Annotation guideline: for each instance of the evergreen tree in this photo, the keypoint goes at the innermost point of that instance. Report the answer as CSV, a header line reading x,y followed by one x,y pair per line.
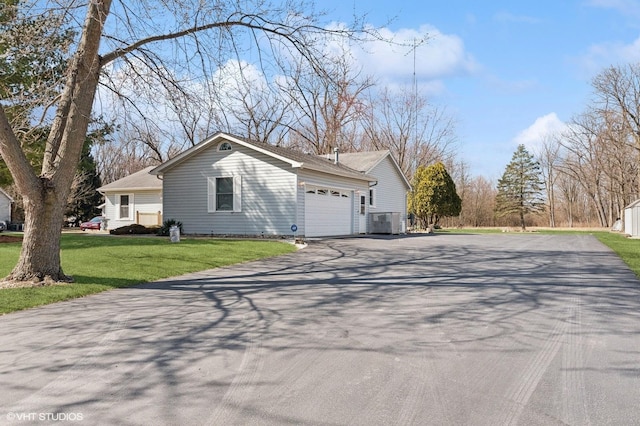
x,y
520,188
84,198
33,59
33,143
433,194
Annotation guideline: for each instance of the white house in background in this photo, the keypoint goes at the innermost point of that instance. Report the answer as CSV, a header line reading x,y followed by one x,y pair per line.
x,y
632,219
228,185
389,195
5,206
136,198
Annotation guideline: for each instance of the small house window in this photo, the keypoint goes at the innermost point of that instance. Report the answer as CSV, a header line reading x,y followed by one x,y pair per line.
x,y
372,197
124,206
224,146
224,194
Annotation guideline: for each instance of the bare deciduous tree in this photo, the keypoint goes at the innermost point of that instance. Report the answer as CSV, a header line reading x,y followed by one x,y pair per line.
x,y
132,150
602,161
586,162
324,110
201,33
478,203
569,195
252,107
618,89
548,156
417,133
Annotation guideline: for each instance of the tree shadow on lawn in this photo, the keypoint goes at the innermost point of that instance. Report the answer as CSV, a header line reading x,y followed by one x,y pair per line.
x,y
105,281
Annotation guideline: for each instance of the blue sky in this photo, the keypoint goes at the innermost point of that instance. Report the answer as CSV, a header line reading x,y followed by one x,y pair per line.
x,y
510,72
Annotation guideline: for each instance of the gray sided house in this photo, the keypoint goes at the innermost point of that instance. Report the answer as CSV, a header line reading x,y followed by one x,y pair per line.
x,y
228,185
136,198
389,195
5,206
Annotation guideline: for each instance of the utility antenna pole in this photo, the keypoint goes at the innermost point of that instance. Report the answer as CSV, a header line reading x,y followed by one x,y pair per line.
x,y
415,102
415,44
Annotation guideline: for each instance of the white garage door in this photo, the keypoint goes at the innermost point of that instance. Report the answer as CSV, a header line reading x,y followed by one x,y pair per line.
x,y
327,212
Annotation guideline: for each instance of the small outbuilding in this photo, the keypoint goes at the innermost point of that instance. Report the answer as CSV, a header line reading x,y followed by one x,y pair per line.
x,y
632,219
5,206
134,199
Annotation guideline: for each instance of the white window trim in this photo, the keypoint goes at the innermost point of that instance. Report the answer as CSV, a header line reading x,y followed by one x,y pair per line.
x,y
335,191
221,144
372,197
237,194
311,185
131,207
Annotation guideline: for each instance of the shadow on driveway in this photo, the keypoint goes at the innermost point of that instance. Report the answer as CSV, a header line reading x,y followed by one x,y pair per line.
x,y
430,329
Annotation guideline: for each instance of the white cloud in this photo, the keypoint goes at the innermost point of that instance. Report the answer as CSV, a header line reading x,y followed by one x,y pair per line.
x,y
602,55
234,82
625,7
544,127
440,56
238,76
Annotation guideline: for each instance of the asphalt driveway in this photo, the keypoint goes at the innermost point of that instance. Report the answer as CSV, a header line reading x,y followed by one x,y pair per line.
x,y
438,329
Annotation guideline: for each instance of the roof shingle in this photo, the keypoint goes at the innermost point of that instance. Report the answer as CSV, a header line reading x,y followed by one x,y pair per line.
x,y
141,180
292,156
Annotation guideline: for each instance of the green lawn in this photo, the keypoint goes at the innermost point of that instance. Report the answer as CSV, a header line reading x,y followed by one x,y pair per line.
x,y
628,249
98,263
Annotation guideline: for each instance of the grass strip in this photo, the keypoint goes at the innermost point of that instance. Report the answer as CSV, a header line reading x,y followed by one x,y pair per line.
x,y
628,249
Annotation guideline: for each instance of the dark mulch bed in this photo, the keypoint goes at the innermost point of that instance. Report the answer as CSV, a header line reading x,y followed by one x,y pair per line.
x,y
9,239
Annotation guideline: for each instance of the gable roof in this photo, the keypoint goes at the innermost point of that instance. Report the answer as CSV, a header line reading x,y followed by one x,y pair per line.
x,y
367,161
138,181
293,157
6,195
363,161
633,204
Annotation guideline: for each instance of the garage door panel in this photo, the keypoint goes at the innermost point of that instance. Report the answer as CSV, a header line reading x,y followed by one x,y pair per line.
x,y
328,212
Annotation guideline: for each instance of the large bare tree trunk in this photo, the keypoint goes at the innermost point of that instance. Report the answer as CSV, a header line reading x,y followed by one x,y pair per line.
x,y
45,196
40,256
